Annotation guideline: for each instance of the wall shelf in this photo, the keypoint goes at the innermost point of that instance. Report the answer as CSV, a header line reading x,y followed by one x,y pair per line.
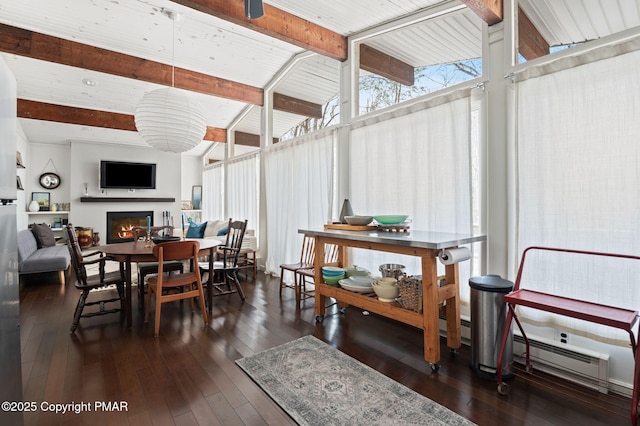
x,y
126,200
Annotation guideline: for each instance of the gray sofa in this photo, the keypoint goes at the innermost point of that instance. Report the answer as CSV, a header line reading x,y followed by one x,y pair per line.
x,y
33,260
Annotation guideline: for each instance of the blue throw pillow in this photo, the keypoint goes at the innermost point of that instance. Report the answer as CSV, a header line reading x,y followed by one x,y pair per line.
x,y
195,230
223,231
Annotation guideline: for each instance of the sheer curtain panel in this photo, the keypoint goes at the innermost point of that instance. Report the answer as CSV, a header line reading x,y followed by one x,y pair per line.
x,y
298,188
243,189
416,164
578,174
213,193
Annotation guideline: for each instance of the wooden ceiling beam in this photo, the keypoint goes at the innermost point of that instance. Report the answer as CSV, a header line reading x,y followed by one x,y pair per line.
x,y
490,11
531,44
248,139
296,106
380,63
47,48
34,45
94,118
278,24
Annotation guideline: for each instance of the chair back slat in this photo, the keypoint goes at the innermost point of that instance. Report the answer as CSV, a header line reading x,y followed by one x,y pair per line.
x,y
308,253
331,253
233,245
176,250
76,254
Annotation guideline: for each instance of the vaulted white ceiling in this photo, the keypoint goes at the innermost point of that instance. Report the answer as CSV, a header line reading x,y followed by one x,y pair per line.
x,y
206,44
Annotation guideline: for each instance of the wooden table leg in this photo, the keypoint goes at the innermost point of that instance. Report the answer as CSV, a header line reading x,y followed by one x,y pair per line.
x,y
453,308
210,281
127,291
320,300
431,326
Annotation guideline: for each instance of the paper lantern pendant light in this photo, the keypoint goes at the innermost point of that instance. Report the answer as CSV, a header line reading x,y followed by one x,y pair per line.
x,y
169,120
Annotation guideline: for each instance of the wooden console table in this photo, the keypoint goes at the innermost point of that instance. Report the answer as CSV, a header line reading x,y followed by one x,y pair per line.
x,y
424,244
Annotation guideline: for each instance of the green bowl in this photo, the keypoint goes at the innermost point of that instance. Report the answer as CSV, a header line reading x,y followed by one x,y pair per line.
x,y
391,219
332,280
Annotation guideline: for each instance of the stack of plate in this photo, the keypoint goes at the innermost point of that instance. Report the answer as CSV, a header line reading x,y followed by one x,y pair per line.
x,y
357,284
332,274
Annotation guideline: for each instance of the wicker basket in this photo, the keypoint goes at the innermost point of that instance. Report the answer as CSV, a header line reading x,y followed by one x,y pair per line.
x,y
410,290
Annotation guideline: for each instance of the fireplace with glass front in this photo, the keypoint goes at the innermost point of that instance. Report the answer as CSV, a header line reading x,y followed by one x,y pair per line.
x,y
120,224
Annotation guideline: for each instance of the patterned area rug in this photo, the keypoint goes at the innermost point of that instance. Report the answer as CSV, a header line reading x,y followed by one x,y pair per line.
x,y
319,385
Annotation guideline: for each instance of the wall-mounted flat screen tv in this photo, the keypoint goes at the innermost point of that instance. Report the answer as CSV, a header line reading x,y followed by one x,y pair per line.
x,y
127,175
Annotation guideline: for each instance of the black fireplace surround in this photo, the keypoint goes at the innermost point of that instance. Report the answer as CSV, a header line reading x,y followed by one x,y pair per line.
x,y
119,225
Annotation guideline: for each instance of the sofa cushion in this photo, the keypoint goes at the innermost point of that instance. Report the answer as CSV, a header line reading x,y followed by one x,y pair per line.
x,y
46,259
213,227
195,230
27,245
44,235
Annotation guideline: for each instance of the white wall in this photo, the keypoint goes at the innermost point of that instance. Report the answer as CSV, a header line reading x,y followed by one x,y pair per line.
x,y
191,175
83,167
23,196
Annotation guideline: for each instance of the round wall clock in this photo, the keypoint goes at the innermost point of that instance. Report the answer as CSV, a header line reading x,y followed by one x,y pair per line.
x,y
49,180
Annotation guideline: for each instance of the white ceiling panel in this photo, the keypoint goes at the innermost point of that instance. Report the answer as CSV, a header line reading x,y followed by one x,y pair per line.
x,y
213,46
448,38
351,16
563,22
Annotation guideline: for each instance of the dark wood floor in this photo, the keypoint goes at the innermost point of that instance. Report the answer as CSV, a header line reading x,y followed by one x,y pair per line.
x,y
187,375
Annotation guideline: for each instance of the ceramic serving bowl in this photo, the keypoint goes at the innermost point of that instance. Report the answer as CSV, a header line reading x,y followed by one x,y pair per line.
x,y
390,219
385,293
332,280
356,285
357,271
358,220
333,271
387,281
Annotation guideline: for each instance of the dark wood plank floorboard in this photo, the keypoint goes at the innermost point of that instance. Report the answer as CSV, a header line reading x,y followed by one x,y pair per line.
x,y
188,376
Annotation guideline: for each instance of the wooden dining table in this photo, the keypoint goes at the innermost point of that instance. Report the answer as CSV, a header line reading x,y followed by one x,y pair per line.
x,y
139,251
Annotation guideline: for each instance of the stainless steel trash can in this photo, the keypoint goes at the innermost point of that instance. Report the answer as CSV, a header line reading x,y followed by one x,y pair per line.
x,y
488,318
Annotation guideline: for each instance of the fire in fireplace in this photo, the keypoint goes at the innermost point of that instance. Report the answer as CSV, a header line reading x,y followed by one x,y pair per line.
x,y
120,224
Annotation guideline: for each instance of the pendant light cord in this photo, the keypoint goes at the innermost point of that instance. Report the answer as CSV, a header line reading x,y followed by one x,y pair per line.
x,y
173,51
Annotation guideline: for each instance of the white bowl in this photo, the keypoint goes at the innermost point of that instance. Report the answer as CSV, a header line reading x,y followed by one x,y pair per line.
x,y
387,281
361,281
358,220
385,293
357,288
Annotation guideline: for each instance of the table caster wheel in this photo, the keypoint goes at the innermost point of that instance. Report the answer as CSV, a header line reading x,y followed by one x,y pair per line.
x,y
435,367
319,318
453,353
528,368
503,389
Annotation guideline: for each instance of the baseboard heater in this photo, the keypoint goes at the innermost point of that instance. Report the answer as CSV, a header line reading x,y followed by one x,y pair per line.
x,y
578,365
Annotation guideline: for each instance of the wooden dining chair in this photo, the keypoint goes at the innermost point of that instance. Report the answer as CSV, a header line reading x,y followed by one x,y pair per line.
x,y
149,268
307,255
225,269
331,252
87,284
189,282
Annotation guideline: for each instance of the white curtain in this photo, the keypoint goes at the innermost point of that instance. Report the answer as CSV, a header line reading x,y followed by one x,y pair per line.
x,y
213,193
243,189
578,174
298,184
416,164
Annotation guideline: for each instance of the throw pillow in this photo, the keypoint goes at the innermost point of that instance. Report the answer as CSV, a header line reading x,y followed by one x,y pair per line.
x,y
44,235
213,226
195,230
223,231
